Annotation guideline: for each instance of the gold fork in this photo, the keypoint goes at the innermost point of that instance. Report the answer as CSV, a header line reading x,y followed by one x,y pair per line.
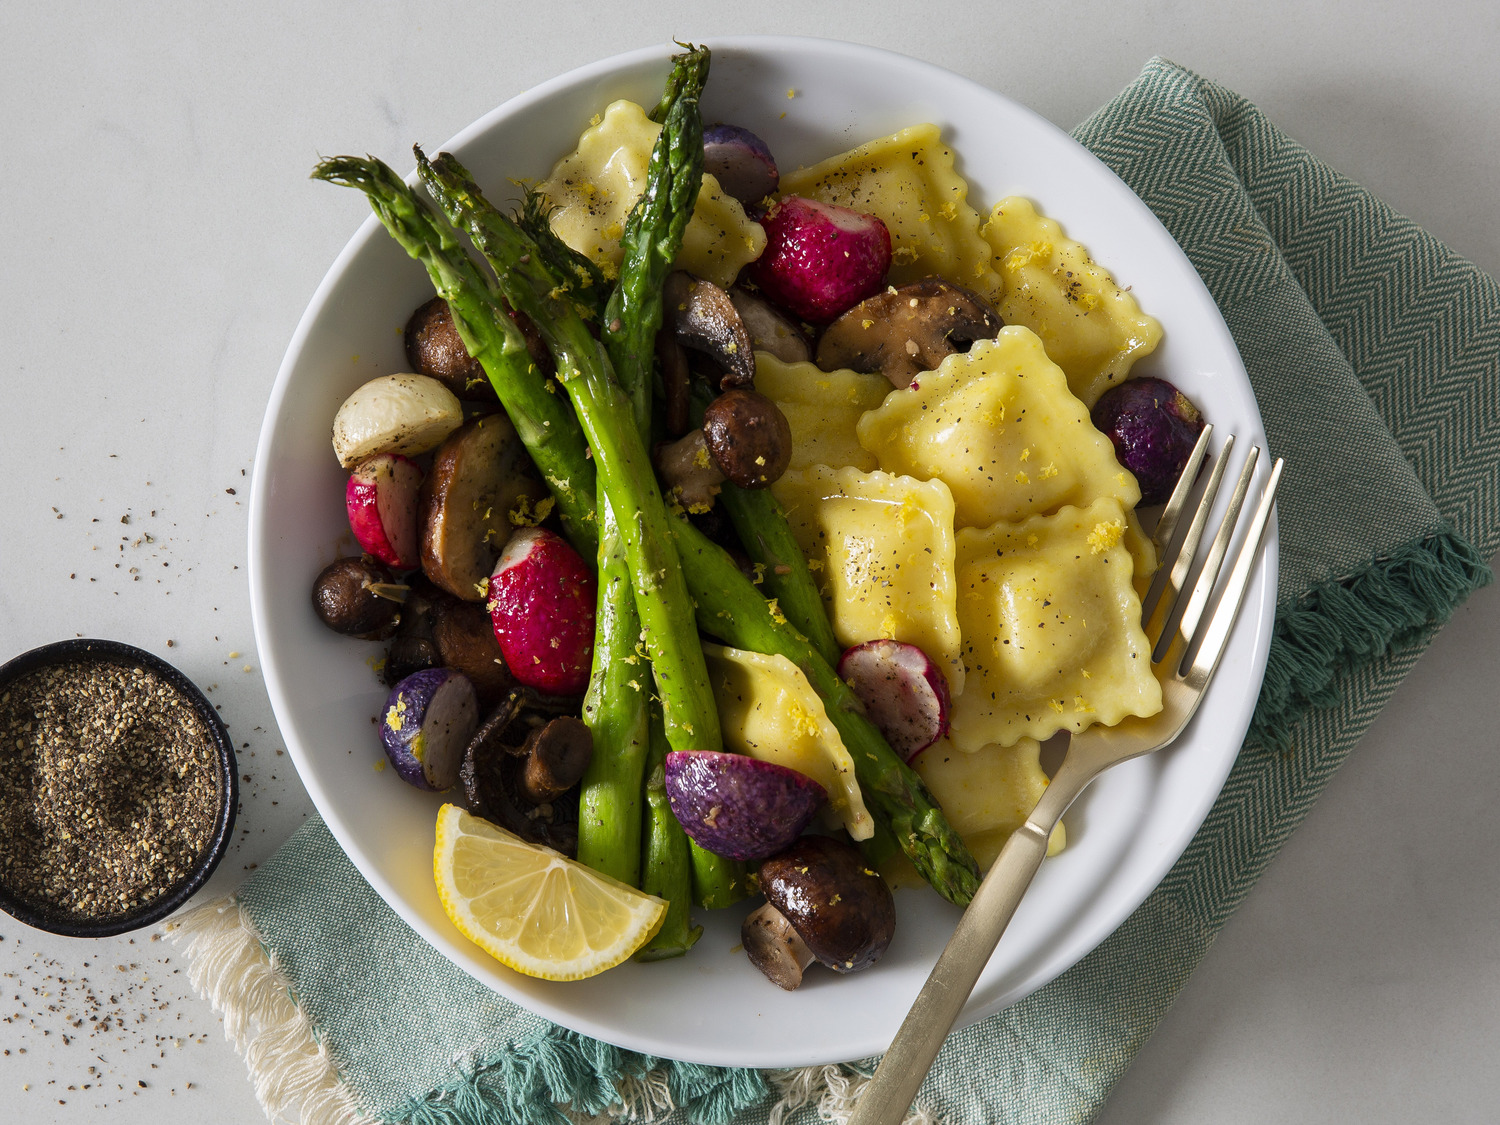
x,y
1186,647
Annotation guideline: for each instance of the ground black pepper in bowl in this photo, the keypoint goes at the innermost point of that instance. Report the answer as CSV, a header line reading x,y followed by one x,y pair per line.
x,y
116,787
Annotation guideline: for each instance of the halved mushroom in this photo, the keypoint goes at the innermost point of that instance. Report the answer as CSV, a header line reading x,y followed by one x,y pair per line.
x,y
748,437
465,640
701,316
907,330
824,904
479,475
688,472
770,329
522,768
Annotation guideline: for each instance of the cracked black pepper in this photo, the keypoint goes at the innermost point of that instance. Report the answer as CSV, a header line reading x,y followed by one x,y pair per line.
x,y
109,788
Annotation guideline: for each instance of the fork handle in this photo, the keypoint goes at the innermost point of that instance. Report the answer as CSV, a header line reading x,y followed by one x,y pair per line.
x,y
902,1069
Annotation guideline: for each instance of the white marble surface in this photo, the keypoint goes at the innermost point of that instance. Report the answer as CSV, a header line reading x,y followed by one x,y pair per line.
x,y
162,239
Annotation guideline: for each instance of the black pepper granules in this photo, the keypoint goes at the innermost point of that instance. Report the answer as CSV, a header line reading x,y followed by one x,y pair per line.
x,y
110,788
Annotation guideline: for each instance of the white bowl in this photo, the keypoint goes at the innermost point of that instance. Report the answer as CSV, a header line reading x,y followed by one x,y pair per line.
x,y
712,1006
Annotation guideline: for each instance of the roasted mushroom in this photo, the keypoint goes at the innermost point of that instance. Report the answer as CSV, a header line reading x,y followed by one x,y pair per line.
x,y
905,331
479,476
434,347
748,437
688,472
770,330
465,641
699,315
359,597
522,767
823,904
413,647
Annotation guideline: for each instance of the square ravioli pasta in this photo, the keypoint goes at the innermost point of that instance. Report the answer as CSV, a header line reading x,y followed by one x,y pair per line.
x,y
1000,428
594,187
822,408
1052,632
883,547
987,794
1092,329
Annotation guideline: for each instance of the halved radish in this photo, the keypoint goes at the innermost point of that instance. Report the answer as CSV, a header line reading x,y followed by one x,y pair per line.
x,y
739,807
905,694
541,602
428,720
382,502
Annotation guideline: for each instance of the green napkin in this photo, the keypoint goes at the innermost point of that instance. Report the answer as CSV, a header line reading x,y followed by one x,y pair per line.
x,y
1375,355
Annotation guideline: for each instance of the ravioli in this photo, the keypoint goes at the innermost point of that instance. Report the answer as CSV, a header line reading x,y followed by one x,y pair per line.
x,y
593,189
908,180
1051,623
769,711
1092,329
822,408
986,795
1000,428
883,547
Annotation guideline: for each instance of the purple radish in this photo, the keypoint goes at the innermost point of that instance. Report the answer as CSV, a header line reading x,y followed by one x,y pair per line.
x,y
905,694
428,720
739,807
741,162
381,499
1154,427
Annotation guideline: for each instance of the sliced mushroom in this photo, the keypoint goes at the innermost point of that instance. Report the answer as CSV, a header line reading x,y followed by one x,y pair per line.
x,y
522,767
688,472
413,648
775,948
840,909
675,378
480,474
905,331
771,330
748,437
701,316
465,640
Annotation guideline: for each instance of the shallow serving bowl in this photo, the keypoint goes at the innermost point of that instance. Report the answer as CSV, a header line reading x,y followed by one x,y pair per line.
x,y
712,1006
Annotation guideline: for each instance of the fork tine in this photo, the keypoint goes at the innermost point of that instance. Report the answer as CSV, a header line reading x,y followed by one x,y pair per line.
x,y
1166,524
1185,616
1200,664
1175,575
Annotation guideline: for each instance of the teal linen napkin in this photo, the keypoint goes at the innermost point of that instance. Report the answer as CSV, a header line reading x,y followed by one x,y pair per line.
x,y
1375,356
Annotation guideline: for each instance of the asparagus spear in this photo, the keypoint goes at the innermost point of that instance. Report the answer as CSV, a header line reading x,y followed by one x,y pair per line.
x,y
589,288
763,531
548,428
650,241
609,829
609,804
608,422
729,607
667,868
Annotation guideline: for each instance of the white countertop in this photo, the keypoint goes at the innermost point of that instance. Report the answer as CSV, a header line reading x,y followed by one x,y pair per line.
x,y
162,239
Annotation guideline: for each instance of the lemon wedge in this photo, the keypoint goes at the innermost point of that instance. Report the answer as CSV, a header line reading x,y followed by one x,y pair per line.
x,y
532,908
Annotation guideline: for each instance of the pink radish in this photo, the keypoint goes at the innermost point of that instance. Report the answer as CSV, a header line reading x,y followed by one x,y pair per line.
x,y
905,694
541,602
821,259
382,502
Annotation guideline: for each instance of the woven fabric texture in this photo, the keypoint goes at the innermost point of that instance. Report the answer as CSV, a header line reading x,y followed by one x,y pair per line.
x,y
1375,356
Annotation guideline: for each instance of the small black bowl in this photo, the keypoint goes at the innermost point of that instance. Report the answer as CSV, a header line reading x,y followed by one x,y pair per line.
x,y
81,652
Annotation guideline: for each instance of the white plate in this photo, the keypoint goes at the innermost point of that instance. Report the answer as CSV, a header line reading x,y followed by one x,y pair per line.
x,y
712,1006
